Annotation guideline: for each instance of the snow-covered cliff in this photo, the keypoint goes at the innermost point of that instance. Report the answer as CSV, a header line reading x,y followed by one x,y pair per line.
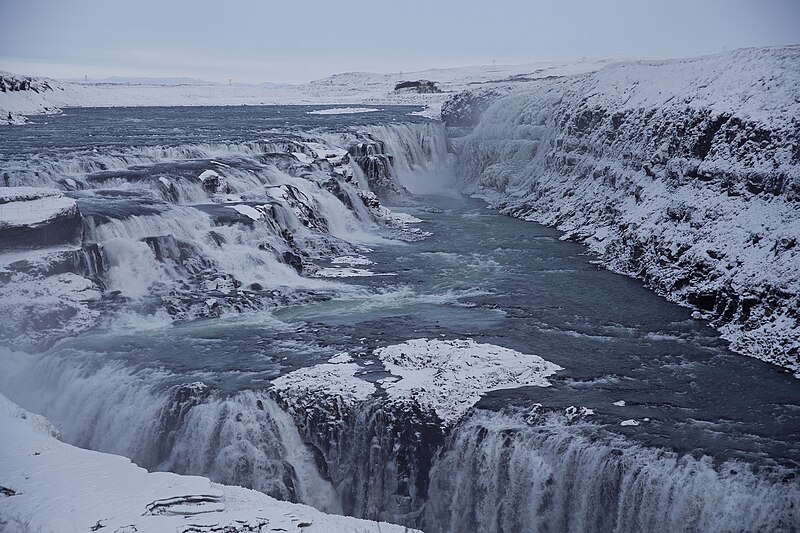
x,y
685,173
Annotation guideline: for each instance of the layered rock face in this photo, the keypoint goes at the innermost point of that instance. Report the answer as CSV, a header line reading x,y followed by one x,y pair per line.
x,y
685,173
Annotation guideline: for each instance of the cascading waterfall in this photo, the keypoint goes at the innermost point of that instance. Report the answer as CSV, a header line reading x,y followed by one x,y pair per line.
x,y
500,473
494,472
420,154
158,227
150,416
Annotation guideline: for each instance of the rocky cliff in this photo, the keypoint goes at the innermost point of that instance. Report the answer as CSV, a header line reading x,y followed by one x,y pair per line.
x,y
684,173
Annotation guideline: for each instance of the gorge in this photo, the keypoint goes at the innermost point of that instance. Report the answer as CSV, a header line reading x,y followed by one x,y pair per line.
x,y
222,292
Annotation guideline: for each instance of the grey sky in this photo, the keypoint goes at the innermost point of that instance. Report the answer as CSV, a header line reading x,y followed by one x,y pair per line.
x,y
254,41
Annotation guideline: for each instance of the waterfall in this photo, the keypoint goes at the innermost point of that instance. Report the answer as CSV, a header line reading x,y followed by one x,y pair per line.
x,y
163,423
163,242
499,473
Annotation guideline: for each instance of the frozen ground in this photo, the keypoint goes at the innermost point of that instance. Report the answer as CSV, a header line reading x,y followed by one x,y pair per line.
x,y
48,486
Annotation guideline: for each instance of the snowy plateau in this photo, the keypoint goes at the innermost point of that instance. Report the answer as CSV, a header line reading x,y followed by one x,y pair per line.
x,y
228,314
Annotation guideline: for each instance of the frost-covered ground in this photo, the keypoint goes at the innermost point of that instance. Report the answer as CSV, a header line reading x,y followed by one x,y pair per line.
x,y
685,173
349,88
47,486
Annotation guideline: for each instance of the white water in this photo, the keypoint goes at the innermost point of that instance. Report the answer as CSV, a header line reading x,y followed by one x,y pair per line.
x,y
244,439
499,473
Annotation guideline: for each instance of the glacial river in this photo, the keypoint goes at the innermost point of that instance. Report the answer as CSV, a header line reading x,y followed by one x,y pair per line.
x,y
648,384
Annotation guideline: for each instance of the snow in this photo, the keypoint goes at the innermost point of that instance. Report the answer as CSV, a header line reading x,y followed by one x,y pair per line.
x,y
343,357
336,379
343,111
207,174
303,158
24,194
357,88
59,488
30,206
352,260
450,376
247,211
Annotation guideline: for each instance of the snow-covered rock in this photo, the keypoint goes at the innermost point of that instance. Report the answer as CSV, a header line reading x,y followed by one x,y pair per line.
x,y
393,439
450,376
33,217
685,173
334,380
49,486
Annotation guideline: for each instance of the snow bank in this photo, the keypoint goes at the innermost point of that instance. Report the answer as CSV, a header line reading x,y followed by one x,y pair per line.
x,y
340,89
50,486
31,206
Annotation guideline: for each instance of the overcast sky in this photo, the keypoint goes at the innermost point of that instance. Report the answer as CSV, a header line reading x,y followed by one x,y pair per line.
x,y
301,40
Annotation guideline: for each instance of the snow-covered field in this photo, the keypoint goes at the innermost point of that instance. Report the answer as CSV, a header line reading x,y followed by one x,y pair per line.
x,y
685,173
47,486
348,88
